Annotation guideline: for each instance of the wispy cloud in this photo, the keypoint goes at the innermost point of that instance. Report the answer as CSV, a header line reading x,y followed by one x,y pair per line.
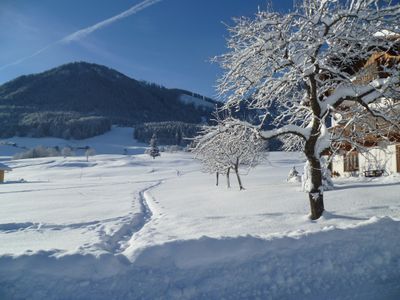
x,y
82,33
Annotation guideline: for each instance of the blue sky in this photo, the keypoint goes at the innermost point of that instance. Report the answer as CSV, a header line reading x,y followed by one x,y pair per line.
x,y
169,43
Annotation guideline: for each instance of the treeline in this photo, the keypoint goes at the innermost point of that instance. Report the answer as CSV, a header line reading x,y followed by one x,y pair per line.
x,y
168,133
67,125
39,151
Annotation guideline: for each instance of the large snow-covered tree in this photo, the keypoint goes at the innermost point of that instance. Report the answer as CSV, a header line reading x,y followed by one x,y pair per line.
x,y
300,67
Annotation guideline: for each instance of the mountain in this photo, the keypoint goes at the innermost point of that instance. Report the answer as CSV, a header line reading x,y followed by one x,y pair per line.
x,y
83,90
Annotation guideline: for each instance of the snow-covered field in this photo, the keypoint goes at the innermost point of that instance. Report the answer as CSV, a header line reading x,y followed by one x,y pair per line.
x,y
130,227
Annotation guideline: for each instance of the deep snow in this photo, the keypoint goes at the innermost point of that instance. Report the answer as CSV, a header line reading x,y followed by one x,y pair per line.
x,y
130,227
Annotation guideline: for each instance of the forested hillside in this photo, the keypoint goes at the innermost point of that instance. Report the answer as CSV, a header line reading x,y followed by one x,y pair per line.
x,y
77,91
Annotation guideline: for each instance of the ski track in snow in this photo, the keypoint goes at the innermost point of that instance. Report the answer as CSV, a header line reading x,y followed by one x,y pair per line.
x,y
117,241
113,242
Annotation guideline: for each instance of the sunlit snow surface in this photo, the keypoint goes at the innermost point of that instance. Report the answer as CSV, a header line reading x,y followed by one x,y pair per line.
x,y
130,227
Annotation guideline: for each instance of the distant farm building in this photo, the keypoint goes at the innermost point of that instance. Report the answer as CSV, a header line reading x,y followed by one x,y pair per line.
x,y
3,169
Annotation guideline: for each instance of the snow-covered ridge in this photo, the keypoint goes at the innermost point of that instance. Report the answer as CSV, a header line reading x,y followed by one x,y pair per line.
x,y
196,101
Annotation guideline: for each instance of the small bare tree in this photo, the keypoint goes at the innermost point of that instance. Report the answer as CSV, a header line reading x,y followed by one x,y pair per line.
x,y
89,152
222,148
304,65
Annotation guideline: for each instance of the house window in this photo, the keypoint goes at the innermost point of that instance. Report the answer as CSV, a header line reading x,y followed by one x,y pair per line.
x,y
351,162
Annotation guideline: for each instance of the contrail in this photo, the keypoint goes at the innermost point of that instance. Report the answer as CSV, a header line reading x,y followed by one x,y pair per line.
x,y
76,36
86,31
27,57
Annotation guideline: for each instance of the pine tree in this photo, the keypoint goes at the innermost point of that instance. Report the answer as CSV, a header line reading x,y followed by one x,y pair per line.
x,y
154,151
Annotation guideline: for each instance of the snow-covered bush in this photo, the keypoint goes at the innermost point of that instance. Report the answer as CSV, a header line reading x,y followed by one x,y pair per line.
x,y
293,175
67,151
327,183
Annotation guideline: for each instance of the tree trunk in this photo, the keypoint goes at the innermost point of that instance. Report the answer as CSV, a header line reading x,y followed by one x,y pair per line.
x,y
217,177
238,177
228,180
316,195
316,204
311,150
316,192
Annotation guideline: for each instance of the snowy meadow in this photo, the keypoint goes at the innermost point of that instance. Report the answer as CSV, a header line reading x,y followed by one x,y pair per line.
x,y
132,227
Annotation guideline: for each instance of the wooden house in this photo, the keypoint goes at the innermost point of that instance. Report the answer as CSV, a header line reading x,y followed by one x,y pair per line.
x,y
3,169
380,154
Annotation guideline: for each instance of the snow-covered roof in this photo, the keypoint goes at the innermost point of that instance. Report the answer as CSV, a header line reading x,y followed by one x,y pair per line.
x,y
3,167
385,33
